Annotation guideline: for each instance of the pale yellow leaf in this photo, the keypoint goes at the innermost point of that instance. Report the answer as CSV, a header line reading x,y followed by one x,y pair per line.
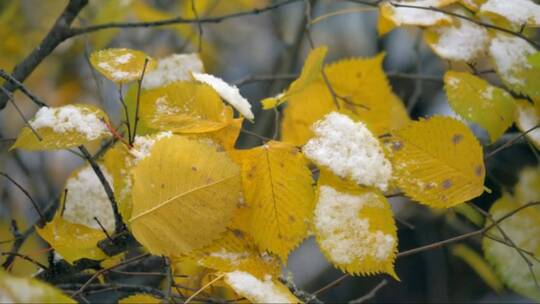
x,y
476,100
438,162
479,265
121,65
267,290
527,119
175,209
27,290
279,196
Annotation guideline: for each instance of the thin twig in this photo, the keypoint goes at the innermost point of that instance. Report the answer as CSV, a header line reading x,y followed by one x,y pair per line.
x,y
139,86
510,142
21,114
127,122
25,192
199,25
370,295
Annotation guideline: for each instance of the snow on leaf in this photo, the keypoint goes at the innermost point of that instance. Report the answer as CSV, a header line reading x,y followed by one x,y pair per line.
x,y
176,67
517,12
528,117
142,146
476,100
175,209
311,71
63,127
510,55
279,195
363,83
27,290
438,162
184,107
259,291
462,41
121,65
229,93
119,162
355,227
523,228
349,150
413,16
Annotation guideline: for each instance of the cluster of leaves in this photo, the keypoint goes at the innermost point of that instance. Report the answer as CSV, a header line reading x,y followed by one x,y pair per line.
x,y
231,217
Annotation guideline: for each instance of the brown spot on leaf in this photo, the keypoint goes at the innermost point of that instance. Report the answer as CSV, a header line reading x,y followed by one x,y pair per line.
x,y
457,138
281,164
237,233
193,168
219,149
478,170
446,184
291,218
397,145
162,186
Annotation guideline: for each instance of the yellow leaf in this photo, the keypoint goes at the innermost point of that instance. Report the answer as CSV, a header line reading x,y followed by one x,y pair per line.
x,y
527,189
438,162
479,265
140,299
354,227
184,107
117,162
310,72
527,118
523,228
226,136
237,251
363,83
279,196
175,209
509,55
517,14
72,241
64,127
121,65
26,290
477,101
267,290
414,16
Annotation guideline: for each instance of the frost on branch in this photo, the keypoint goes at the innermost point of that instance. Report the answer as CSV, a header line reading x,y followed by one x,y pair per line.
x,y
356,230
177,67
229,93
259,291
349,150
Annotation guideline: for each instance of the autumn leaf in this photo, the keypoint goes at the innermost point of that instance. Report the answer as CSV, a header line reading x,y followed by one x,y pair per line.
x,y
184,107
121,65
517,13
479,265
63,127
139,299
27,290
354,227
477,101
369,99
279,196
523,228
398,16
267,290
527,118
310,72
174,191
438,162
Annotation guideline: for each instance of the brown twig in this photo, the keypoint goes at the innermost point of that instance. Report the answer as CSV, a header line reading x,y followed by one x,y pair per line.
x,y
139,85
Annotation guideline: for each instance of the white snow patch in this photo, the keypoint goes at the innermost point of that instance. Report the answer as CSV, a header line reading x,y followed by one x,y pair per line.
x,y
143,145
343,234
488,93
518,12
415,16
258,291
233,257
349,149
527,119
86,198
177,67
509,55
230,93
461,43
123,59
70,119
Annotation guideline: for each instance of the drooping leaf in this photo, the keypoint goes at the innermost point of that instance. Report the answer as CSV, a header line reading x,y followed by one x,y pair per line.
x,y
310,72
121,65
175,209
462,41
184,107
527,118
267,290
26,290
523,228
509,55
279,196
438,162
354,227
479,265
369,99
64,127
476,100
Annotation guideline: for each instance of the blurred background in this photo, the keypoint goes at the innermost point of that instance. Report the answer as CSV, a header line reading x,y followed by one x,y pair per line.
x,y
270,43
